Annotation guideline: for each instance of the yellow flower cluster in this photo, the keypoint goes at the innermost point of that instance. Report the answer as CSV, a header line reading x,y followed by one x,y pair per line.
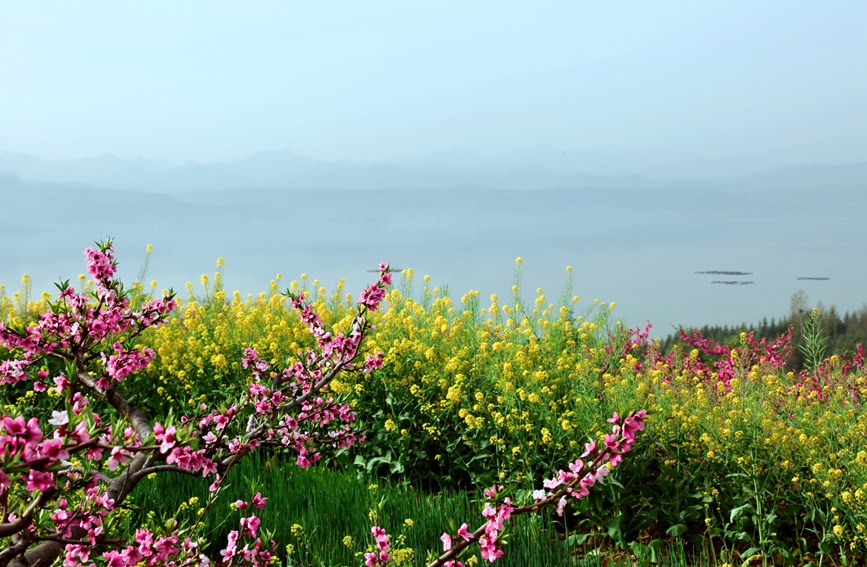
x,y
199,353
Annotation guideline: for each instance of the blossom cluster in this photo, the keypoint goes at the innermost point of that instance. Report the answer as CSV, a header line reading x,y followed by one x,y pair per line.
x,y
75,323
256,553
381,555
95,336
730,362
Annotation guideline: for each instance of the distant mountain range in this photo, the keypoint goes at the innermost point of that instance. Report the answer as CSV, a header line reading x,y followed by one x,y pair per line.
x,y
448,170
287,170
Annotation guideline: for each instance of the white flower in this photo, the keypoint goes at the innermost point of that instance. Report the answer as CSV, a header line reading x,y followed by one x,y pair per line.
x,y
59,418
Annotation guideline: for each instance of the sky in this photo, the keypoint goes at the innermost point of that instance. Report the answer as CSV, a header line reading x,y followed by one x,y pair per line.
x,y
737,97
678,88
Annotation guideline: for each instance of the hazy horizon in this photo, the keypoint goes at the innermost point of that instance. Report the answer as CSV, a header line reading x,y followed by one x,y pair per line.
x,y
697,89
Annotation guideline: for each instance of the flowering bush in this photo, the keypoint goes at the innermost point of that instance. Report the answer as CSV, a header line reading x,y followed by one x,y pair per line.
x,y
765,460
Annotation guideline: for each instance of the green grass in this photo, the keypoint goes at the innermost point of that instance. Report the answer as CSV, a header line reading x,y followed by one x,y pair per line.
x,y
330,505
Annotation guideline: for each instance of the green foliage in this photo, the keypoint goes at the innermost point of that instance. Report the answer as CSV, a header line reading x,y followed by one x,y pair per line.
x,y
315,510
813,341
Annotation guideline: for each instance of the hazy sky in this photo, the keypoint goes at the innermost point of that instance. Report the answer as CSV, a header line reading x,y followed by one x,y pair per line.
x,y
766,82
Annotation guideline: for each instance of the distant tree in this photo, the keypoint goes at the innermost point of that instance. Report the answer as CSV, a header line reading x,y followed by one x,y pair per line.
x,y
799,305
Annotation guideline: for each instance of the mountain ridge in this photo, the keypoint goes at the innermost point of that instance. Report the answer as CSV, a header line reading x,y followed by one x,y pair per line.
x,y
287,170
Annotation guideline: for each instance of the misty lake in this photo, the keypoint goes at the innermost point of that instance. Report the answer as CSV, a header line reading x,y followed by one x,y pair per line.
x,y
640,247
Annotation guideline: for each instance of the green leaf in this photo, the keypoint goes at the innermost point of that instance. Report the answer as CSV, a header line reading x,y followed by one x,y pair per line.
x,y
578,539
748,556
614,528
647,553
676,530
736,512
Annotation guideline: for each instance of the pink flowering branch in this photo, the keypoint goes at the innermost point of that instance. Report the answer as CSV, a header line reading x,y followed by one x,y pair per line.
x,y
584,473
574,483
92,335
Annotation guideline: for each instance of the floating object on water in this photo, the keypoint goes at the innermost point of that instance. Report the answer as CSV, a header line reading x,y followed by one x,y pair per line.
x,y
725,273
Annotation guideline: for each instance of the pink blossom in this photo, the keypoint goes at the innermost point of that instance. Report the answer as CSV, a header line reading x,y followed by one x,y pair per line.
x,y
250,525
371,297
100,264
39,480
53,450
259,501
488,548
164,436
216,484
